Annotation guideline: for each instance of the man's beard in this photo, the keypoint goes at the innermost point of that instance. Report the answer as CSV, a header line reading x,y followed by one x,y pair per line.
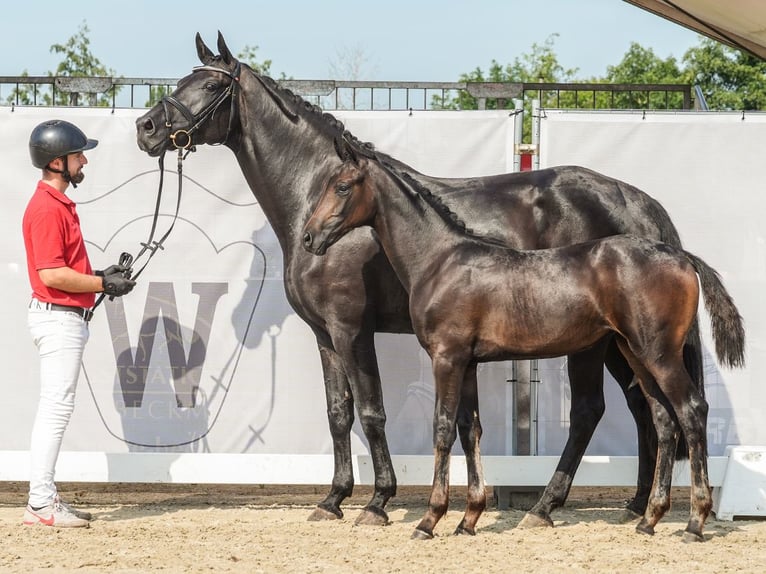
x,y
77,178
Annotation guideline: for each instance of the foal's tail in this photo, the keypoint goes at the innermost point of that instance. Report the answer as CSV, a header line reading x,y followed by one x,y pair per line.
x,y
726,322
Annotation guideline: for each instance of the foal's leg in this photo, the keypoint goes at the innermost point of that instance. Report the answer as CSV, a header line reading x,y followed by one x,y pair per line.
x,y
691,412
449,372
586,378
667,437
469,429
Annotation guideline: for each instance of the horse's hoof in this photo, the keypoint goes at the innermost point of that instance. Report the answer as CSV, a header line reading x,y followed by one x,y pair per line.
x,y
645,528
463,530
418,534
535,521
372,516
322,514
628,516
689,537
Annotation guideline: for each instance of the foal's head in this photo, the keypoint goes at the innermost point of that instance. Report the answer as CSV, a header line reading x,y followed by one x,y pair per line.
x,y
346,202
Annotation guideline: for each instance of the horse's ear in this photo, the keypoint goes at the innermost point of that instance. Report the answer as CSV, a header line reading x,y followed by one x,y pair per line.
x,y
224,51
203,52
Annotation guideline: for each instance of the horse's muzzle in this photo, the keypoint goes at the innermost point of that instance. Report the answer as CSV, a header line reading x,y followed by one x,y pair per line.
x,y
146,132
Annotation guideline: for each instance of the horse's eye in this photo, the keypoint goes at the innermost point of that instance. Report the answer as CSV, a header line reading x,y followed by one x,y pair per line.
x,y
211,86
343,188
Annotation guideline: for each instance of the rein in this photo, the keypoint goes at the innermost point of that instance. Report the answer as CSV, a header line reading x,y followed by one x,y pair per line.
x,y
182,141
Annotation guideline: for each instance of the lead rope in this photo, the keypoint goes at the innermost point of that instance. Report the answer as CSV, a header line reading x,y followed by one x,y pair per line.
x,y
126,259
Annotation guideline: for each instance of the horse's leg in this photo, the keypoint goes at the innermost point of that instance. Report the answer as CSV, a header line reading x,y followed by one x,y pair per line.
x,y
667,436
340,413
586,377
469,430
449,372
646,435
361,366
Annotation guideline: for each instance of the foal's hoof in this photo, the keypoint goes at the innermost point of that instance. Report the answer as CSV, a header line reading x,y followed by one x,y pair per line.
x,y
645,528
372,516
418,534
535,521
463,529
628,516
690,537
321,514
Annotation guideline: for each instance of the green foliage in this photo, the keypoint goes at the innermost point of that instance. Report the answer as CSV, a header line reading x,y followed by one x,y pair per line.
x,y
729,79
78,61
156,93
540,65
248,56
641,65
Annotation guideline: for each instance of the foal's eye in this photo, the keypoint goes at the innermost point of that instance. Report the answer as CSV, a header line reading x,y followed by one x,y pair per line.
x,y
343,188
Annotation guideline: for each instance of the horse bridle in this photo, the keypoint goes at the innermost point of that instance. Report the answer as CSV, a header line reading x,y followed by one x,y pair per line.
x,y
182,138
185,144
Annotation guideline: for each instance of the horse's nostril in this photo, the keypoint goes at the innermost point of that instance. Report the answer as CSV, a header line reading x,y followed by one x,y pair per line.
x,y
307,239
148,125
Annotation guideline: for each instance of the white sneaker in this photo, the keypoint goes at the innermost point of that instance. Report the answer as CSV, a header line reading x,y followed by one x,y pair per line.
x,y
55,514
78,513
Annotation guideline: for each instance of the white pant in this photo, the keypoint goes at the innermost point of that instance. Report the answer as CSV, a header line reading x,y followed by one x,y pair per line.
x,y
60,337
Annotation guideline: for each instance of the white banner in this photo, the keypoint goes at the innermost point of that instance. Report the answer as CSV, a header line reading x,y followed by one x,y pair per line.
x,y
205,355
708,172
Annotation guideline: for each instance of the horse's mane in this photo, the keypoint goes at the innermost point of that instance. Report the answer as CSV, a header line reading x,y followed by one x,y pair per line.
x,y
303,108
403,179
407,182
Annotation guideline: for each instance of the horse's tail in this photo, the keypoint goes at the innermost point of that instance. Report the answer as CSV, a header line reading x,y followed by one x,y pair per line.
x,y
726,322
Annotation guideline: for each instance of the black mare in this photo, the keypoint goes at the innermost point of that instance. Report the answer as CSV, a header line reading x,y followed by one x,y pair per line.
x,y
476,300
287,148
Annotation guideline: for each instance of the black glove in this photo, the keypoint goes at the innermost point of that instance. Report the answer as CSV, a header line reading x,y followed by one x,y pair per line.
x,y
111,270
116,284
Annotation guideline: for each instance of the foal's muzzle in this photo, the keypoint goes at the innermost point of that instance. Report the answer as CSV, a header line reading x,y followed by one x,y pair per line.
x,y
308,244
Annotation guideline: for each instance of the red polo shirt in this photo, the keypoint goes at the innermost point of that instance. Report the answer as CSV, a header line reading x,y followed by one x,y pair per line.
x,y
52,238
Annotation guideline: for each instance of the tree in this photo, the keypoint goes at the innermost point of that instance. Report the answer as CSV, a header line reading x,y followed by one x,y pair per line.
x,y
641,65
539,65
729,79
78,61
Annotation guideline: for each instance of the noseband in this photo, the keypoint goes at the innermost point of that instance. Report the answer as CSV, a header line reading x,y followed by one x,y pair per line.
x,y
182,138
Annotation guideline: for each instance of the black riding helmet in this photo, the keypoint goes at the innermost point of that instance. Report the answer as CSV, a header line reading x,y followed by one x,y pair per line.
x,y
57,138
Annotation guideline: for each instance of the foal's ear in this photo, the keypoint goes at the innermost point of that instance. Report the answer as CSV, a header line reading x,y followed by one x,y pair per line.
x,y
203,52
223,49
349,153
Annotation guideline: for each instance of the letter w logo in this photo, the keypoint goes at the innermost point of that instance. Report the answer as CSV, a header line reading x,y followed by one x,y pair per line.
x,y
186,371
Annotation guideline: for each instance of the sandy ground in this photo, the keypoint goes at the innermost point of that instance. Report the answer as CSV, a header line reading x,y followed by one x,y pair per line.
x,y
214,528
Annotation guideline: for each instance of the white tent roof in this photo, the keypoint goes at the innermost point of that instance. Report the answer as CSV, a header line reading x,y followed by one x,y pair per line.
x,y
738,23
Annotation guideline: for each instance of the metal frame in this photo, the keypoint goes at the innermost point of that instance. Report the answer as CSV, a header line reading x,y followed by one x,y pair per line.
x,y
353,95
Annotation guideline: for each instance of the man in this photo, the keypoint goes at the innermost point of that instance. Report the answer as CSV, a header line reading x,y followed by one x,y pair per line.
x,y
63,292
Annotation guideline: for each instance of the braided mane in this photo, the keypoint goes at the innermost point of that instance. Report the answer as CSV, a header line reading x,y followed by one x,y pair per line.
x,y
342,138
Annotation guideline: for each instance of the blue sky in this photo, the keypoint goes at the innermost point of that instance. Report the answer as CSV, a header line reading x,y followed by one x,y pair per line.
x,y
399,40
